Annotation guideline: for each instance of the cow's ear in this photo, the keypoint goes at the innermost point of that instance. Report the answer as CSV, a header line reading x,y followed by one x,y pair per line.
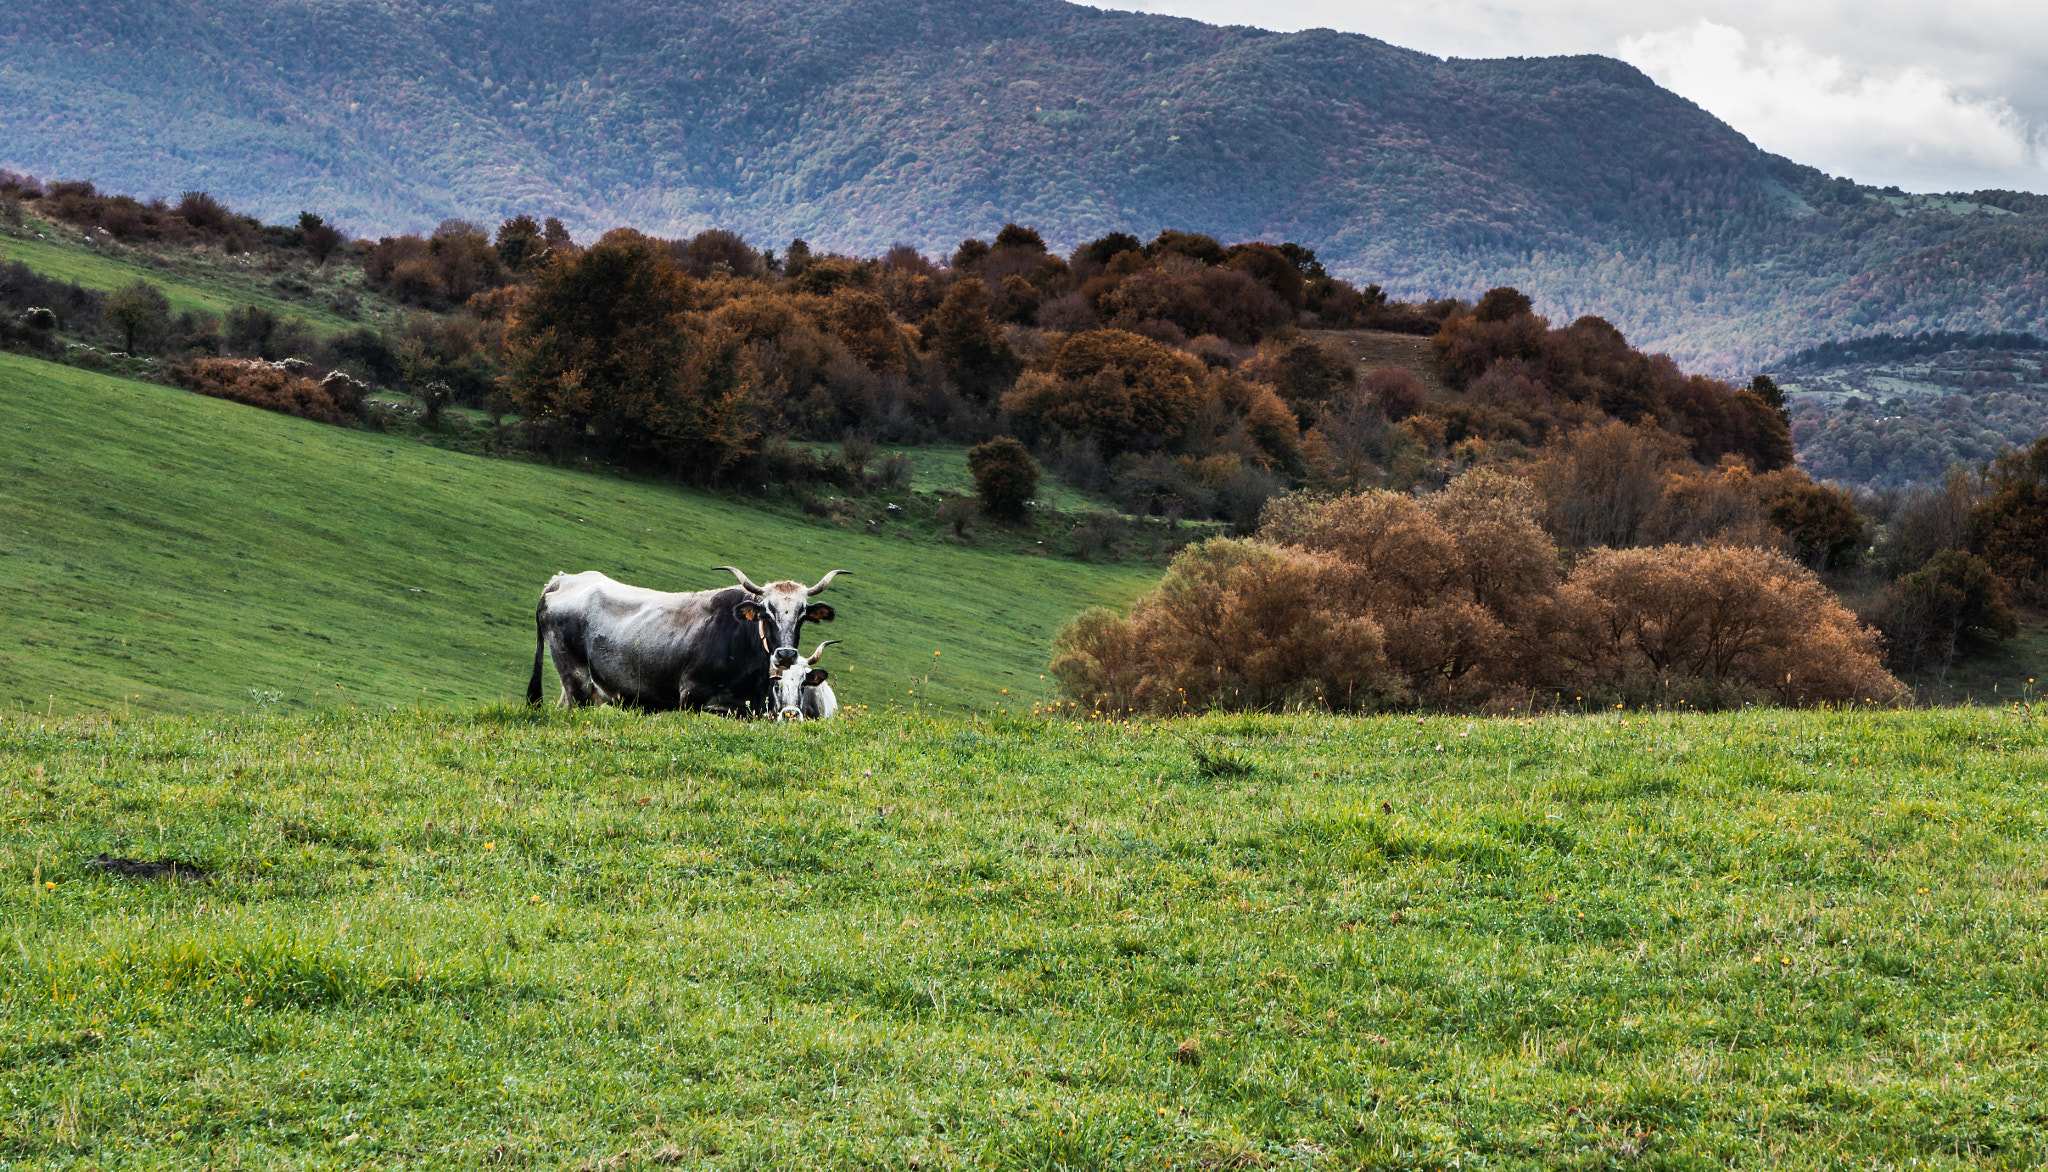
x,y
818,676
818,612
747,612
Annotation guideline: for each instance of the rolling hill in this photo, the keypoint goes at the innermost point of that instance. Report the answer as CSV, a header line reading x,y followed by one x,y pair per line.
x,y
856,124
175,553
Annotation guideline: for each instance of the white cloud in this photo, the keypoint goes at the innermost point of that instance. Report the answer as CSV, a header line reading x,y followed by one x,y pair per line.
x,y
1902,126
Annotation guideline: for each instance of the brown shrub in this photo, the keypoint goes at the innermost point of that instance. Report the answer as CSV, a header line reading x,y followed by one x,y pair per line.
x,y
1235,624
1395,391
1107,373
1394,553
1604,486
261,384
1458,601
1752,623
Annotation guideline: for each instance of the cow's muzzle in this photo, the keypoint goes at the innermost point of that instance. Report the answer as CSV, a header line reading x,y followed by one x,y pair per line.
x,y
783,657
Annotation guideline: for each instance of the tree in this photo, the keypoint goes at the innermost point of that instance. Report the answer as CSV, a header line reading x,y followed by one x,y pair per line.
x,y
1502,304
968,343
608,342
1927,615
2010,529
317,237
1156,388
139,311
1005,476
1020,237
1825,528
520,244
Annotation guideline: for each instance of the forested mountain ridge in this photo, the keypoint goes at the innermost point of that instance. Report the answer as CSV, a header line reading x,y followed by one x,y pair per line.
x,y
856,124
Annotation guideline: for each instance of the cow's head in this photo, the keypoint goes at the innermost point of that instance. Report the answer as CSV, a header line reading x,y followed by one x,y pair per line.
x,y
779,611
791,681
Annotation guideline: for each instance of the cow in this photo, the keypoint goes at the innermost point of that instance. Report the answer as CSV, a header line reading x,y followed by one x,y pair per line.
x,y
801,692
709,650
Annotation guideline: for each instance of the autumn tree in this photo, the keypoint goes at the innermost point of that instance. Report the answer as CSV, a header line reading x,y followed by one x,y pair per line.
x,y
520,244
608,342
1821,520
1123,390
967,343
2010,529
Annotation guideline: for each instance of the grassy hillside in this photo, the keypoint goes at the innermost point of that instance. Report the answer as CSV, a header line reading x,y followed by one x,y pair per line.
x,y
469,939
206,283
185,553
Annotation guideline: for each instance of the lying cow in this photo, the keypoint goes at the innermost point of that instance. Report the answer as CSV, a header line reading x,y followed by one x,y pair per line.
x,y
710,650
801,692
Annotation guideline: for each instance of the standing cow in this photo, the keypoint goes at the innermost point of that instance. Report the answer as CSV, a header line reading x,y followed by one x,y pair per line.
x,y
709,650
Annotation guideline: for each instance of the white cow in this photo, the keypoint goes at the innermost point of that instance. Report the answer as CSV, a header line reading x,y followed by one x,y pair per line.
x,y
801,690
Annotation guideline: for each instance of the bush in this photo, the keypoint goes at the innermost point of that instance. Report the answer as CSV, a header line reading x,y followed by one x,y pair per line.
x,y
1751,624
1377,598
894,473
1005,476
1118,388
266,385
1929,615
957,515
1235,624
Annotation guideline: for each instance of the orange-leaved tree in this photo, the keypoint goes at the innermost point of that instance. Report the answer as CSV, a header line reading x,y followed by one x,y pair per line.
x,y
608,343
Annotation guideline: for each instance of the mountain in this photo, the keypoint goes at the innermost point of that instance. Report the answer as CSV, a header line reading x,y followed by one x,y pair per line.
x,y
858,123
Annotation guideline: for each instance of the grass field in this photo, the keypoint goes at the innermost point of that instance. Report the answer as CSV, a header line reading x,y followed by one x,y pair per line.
x,y
164,551
204,282
602,941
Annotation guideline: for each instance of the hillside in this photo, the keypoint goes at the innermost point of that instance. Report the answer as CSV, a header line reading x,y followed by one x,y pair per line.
x,y
175,553
857,123
1892,422
435,939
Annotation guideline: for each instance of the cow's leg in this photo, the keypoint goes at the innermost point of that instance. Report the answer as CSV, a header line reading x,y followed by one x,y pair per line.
x,y
578,687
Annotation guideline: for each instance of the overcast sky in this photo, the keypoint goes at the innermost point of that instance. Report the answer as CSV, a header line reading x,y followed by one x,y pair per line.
x,y
1948,95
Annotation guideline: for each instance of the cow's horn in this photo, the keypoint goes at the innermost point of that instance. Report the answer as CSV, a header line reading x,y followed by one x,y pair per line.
x,y
822,582
744,580
821,649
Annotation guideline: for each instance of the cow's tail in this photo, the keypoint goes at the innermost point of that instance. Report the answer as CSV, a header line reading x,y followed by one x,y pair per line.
x,y
540,646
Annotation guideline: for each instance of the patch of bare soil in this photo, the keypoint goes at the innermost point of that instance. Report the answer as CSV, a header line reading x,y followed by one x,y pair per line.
x,y
1377,350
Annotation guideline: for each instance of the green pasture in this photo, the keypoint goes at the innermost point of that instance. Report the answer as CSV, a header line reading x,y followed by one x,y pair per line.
x,y
205,283
165,551
943,468
497,938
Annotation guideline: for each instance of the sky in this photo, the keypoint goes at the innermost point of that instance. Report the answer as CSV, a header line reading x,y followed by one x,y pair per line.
x,y
1930,97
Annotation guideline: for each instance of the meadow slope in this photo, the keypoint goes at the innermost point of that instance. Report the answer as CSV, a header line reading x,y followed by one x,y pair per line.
x,y
170,552
206,283
600,940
